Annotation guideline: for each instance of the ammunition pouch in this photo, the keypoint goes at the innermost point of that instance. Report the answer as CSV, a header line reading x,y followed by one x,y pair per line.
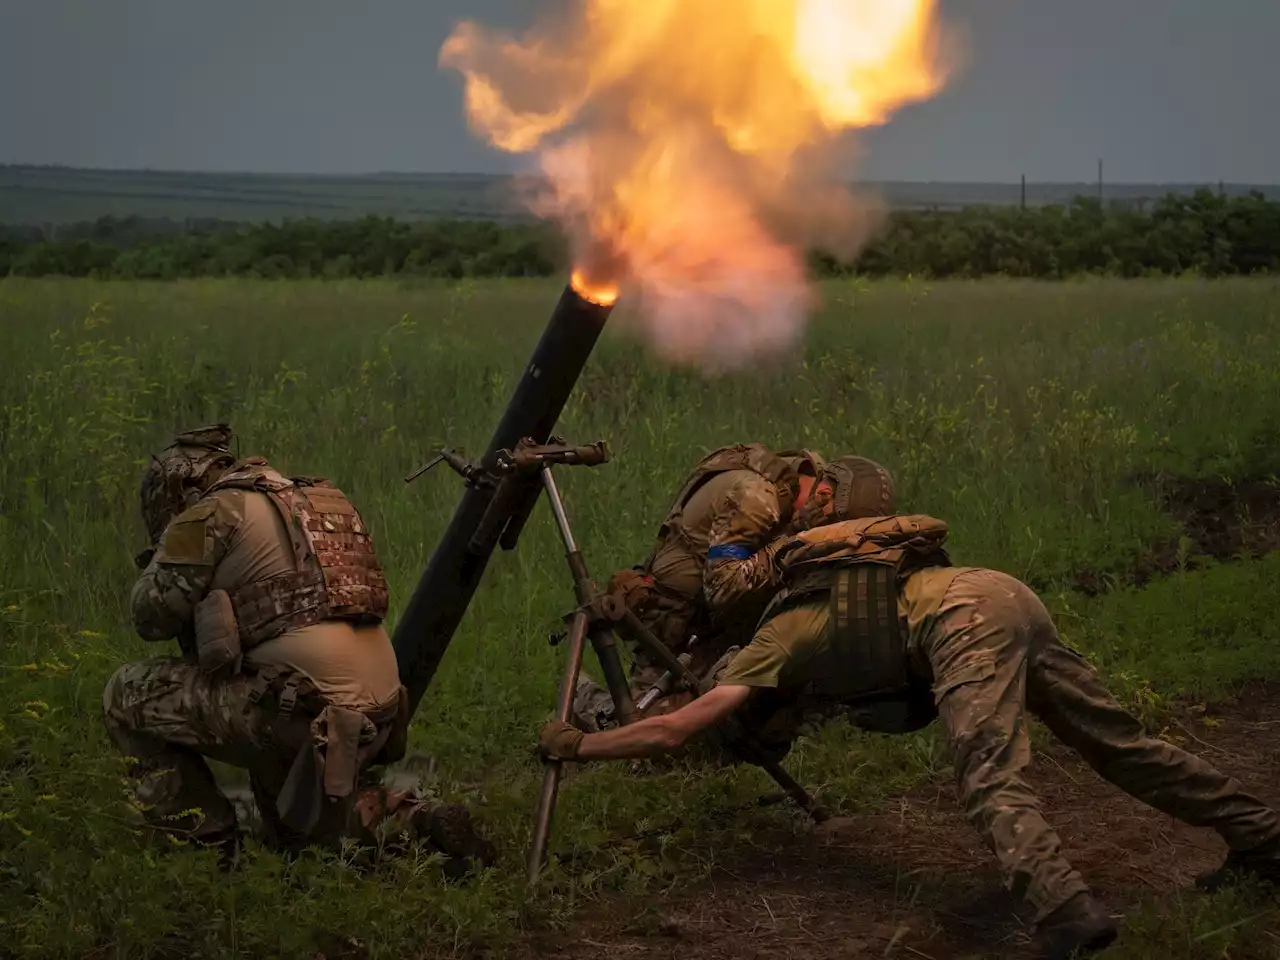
x,y
342,742
217,636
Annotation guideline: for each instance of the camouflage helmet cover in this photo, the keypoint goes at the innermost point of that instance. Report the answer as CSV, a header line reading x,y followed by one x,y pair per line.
x,y
860,488
177,478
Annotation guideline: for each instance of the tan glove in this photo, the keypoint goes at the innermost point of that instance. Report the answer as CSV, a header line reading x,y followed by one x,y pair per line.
x,y
815,512
559,741
777,550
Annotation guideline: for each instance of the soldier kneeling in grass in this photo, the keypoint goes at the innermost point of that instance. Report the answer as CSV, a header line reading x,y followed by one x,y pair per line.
x,y
870,614
273,589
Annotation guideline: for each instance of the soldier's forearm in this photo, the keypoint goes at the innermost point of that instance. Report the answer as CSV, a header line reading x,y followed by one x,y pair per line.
x,y
635,741
658,735
731,582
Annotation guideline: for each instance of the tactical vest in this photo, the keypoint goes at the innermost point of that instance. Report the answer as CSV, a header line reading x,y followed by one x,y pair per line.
x,y
337,575
671,614
860,564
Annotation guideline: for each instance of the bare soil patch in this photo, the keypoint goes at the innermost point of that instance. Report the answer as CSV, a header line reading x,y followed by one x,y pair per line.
x,y
1222,520
915,881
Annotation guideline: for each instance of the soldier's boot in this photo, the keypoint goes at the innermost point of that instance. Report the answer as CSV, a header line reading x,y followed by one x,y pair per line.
x,y
452,832
1079,927
448,827
1261,865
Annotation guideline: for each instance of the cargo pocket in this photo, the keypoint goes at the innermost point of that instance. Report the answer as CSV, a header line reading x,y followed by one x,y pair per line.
x,y
974,668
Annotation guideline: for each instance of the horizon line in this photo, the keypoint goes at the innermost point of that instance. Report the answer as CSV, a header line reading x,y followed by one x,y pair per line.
x,y
5,165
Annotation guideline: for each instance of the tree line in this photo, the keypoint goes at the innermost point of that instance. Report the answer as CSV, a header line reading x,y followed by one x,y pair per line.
x,y
1205,233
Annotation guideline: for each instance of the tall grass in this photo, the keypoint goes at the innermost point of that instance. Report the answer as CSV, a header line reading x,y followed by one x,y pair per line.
x,y
1026,415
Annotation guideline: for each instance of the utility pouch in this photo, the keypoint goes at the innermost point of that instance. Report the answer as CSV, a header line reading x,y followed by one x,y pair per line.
x,y
217,635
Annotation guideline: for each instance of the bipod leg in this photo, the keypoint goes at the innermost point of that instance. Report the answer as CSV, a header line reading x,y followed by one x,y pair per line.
x,y
741,742
584,589
551,775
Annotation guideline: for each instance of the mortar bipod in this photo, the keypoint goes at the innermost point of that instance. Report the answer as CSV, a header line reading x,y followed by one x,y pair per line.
x,y
523,460
597,618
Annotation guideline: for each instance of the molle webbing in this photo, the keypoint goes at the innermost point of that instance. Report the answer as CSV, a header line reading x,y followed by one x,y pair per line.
x,y
353,579
336,573
867,638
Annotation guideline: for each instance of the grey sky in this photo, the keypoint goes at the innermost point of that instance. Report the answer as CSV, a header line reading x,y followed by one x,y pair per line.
x,y
1165,90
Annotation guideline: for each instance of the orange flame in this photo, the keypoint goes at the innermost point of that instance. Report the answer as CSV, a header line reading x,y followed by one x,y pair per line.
x,y
601,294
687,145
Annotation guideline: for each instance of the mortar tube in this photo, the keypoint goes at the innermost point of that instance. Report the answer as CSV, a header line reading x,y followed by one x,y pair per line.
x,y
444,591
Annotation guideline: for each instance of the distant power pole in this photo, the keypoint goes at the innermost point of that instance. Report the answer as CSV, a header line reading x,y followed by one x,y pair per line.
x,y
1099,180
1024,191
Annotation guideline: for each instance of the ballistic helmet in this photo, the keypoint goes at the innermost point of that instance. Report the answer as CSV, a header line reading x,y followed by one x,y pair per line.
x,y
847,488
805,461
177,478
860,488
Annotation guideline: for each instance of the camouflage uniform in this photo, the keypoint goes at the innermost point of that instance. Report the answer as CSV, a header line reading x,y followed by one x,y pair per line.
x,y
990,651
708,574
734,512
170,713
311,702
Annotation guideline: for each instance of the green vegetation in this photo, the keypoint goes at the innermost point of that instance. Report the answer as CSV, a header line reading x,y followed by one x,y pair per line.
x,y
1025,414
1205,234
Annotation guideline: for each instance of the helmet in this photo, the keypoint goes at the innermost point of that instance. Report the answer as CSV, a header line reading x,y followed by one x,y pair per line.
x,y
860,488
800,457
177,478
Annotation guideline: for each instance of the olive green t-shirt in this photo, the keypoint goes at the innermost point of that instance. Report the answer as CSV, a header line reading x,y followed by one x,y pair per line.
x,y
794,648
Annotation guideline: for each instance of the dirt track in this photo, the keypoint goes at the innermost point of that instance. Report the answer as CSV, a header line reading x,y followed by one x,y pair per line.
x,y
917,876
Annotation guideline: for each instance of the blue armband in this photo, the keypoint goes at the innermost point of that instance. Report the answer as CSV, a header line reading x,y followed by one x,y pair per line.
x,y
728,551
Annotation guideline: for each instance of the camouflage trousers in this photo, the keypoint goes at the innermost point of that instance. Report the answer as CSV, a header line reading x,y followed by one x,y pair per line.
x,y
992,654
167,716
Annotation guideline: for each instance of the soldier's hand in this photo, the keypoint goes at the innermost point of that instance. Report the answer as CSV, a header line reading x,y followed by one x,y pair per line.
x,y
777,550
559,741
816,512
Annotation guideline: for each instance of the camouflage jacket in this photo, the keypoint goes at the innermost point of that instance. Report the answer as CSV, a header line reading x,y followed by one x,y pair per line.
x,y
746,519
181,572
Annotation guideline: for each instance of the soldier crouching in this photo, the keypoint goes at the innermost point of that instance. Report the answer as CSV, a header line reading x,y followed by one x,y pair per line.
x,y
276,596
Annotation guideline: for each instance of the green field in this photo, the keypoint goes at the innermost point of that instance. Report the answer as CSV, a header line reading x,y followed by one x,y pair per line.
x,y
1034,418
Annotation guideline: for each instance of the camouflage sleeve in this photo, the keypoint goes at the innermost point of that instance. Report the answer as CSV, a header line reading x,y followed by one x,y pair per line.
x,y
744,521
179,575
